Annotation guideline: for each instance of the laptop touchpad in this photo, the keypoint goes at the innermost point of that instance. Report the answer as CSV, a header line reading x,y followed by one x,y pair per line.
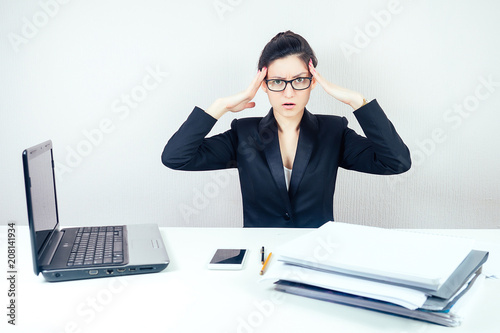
x,y
145,243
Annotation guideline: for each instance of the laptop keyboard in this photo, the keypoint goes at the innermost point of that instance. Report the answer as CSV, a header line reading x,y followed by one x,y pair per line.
x,y
97,246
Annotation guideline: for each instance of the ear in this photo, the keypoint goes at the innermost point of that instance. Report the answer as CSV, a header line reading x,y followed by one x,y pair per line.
x,y
263,86
313,83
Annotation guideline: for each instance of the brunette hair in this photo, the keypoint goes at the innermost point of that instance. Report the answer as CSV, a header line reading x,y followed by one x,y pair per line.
x,y
285,44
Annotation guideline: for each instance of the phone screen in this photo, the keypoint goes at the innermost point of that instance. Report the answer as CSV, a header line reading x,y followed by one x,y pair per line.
x,y
228,256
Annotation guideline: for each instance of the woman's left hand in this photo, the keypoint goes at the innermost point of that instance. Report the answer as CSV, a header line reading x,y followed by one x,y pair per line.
x,y
350,97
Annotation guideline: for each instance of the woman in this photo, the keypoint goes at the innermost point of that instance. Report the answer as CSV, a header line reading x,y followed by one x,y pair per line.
x,y
288,160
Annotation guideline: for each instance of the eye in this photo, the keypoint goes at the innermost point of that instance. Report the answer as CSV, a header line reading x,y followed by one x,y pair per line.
x,y
300,80
277,82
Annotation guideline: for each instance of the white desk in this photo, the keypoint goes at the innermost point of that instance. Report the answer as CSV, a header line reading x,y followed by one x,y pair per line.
x,y
186,297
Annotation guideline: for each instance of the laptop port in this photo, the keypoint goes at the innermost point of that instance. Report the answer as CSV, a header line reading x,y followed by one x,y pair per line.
x,y
109,271
120,270
93,272
132,269
145,268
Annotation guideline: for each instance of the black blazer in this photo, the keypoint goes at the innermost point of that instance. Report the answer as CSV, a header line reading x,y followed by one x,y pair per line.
x,y
325,143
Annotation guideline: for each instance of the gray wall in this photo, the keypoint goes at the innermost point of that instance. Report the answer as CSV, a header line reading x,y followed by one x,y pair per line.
x,y
110,81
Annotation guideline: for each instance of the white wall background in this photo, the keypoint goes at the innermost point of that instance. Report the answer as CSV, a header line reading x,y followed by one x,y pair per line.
x,y
69,68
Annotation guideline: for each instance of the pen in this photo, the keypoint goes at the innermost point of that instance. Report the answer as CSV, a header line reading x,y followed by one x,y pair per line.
x,y
265,263
262,255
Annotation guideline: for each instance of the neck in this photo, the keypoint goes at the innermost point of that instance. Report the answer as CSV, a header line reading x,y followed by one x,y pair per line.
x,y
288,124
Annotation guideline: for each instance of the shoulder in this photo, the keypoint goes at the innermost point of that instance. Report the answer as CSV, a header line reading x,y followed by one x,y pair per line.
x,y
328,122
254,123
326,118
247,121
245,124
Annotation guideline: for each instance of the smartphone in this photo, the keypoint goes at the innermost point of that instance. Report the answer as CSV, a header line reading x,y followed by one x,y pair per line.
x,y
232,259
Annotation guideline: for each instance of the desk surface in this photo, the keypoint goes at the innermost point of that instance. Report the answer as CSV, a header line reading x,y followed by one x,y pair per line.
x,y
186,297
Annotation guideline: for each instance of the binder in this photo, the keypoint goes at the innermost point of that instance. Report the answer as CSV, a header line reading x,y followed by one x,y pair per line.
x,y
408,258
415,275
443,317
411,298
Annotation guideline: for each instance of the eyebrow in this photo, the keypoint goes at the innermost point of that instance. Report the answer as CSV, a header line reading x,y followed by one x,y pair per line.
x,y
293,77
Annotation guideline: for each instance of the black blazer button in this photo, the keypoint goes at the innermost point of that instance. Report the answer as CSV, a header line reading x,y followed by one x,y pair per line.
x,y
286,216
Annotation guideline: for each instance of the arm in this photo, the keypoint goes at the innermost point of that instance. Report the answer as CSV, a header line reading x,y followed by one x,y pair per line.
x,y
352,98
188,149
382,151
239,101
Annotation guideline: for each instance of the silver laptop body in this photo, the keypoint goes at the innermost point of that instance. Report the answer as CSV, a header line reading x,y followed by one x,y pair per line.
x,y
141,250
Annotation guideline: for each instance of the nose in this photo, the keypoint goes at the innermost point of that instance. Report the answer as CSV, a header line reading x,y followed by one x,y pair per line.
x,y
289,91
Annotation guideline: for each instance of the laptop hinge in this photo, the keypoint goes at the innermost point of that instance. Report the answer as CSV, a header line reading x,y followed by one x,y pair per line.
x,y
47,255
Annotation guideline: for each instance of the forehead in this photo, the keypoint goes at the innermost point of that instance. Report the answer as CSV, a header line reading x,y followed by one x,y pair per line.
x,y
287,67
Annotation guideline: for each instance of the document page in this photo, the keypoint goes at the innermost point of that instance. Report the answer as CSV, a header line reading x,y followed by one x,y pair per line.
x,y
406,257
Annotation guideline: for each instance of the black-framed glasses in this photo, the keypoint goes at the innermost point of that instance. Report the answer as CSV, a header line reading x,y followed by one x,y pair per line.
x,y
300,83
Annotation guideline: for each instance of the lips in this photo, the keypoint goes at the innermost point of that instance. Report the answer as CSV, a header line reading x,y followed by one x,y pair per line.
x,y
288,106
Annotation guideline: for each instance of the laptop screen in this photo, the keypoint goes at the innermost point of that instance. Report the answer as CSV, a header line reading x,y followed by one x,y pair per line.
x,y
40,193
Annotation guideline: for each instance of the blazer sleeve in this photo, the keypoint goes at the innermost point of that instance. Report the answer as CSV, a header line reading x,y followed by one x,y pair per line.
x,y
382,151
188,149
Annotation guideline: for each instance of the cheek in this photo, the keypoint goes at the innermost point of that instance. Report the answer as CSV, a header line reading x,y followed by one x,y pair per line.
x,y
304,98
273,98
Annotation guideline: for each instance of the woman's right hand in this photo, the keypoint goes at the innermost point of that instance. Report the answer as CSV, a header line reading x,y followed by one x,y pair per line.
x,y
239,101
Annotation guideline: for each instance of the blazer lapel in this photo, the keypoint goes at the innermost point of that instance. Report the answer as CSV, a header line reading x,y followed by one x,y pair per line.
x,y
268,135
307,139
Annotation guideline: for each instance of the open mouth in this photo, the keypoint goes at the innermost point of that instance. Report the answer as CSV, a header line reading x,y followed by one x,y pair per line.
x,y
288,105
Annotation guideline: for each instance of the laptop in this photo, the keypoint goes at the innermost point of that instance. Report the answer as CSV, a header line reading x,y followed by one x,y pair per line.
x,y
63,254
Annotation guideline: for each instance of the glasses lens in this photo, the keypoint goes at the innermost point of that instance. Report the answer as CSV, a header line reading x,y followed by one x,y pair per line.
x,y
276,85
301,83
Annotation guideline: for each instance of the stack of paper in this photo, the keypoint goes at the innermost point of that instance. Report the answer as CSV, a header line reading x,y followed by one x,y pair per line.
x,y
406,273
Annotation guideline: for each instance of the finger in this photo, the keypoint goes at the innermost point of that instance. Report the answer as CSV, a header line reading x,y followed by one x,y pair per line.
x,y
259,78
255,85
315,74
312,69
311,66
234,107
248,94
263,73
250,105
